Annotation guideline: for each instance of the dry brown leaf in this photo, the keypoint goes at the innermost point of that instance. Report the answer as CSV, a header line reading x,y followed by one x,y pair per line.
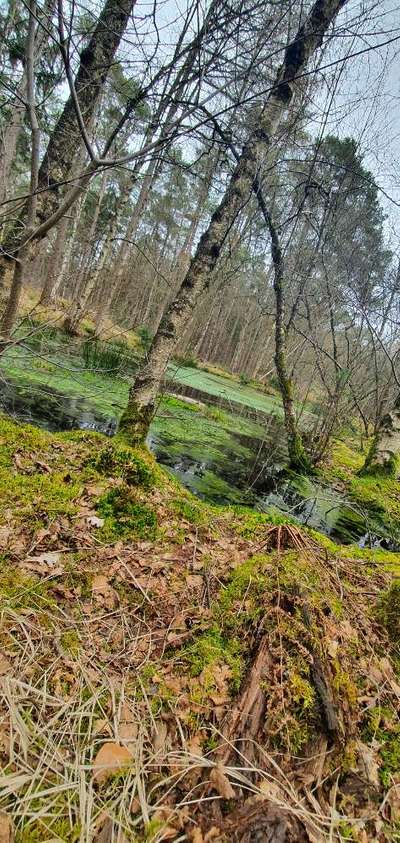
x,y
395,687
46,563
101,727
107,834
110,759
5,665
128,726
196,835
135,806
221,783
194,746
103,592
160,736
194,581
368,763
393,800
6,828
168,832
50,558
333,648
212,834
269,789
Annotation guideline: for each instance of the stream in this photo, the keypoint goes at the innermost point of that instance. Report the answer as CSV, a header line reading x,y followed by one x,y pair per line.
x,y
247,472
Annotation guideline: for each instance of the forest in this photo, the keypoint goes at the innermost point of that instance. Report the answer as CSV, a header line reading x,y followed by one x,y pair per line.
x,y
199,421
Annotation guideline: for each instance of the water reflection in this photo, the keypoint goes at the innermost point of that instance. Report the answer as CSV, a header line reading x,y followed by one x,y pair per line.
x,y
251,475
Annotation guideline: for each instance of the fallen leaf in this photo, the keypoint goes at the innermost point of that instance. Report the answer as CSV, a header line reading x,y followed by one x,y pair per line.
x,y
110,759
160,736
103,592
194,746
393,800
134,807
18,462
194,581
269,789
6,828
101,727
5,665
46,468
368,762
333,648
107,834
168,832
196,835
50,558
128,726
221,783
94,521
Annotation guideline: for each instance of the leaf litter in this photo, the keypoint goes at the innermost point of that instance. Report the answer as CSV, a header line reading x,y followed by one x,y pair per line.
x,y
198,686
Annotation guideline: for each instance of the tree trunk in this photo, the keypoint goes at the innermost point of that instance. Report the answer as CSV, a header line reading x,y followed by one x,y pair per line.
x,y
141,406
66,138
298,459
54,265
83,289
383,455
13,128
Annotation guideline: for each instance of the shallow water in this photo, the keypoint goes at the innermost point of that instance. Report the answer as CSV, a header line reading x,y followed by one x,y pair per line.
x,y
248,471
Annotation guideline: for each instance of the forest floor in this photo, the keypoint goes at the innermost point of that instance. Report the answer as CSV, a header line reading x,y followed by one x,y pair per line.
x,y
172,670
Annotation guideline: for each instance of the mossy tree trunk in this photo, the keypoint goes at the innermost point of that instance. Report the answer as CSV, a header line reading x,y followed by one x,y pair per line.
x,y
384,453
298,458
136,419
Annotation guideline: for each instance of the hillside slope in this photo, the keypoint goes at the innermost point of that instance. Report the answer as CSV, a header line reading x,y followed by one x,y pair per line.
x,y
173,671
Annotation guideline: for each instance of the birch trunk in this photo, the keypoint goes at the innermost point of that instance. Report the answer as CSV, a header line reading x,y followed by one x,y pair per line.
x,y
141,406
383,455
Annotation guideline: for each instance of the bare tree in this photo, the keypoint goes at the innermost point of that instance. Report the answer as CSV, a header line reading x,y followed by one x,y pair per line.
x,y
142,400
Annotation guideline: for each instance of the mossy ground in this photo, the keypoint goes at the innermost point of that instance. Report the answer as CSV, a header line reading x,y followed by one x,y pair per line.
x,y
127,604
377,497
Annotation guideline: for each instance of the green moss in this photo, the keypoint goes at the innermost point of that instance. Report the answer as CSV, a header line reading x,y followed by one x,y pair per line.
x,y
247,580
211,650
188,509
114,461
153,830
299,460
125,516
376,495
343,684
382,726
70,642
60,829
388,468
250,524
388,611
21,591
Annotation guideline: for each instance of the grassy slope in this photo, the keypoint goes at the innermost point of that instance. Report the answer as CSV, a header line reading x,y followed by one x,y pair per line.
x,y
135,615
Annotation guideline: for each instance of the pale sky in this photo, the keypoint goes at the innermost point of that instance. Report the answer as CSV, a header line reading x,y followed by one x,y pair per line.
x,y
366,104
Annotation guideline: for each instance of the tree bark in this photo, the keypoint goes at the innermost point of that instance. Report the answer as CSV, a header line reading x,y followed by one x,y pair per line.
x,y
298,458
383,455
141,406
